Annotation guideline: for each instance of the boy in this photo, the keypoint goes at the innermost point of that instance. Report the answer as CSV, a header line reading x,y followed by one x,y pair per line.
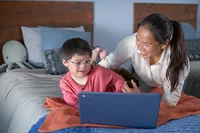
x,y
76,54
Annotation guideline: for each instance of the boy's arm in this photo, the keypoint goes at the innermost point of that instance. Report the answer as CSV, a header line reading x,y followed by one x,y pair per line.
x,y
68,95
70,100
118,82
115,79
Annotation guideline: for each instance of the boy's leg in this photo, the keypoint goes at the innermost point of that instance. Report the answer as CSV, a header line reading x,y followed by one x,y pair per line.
x,y
103,54
95,53
98,55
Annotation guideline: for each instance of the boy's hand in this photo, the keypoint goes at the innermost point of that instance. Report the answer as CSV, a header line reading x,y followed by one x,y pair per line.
x,y
126,88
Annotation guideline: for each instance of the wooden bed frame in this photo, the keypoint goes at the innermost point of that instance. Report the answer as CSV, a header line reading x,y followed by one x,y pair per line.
x,y
14,14
180,12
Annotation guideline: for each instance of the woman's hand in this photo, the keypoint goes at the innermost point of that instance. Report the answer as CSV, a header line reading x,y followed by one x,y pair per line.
x,y
126,88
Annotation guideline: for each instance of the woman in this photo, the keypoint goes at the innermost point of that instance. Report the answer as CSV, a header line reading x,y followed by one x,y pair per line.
x,y
158,55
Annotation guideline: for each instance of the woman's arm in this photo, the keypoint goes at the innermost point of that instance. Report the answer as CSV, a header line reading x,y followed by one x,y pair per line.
x,y
135,89
122,53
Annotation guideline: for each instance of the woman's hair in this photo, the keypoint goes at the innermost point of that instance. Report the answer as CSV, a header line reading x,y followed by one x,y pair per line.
x,y
164,29
75,46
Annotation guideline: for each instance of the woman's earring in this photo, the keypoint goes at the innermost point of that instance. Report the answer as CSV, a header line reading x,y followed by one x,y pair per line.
x,y
163,46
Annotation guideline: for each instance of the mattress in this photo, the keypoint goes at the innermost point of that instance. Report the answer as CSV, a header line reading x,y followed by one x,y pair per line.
x,y
23,93
193,80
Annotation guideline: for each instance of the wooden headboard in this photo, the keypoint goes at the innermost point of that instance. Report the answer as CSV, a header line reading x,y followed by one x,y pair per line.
x,y
180,12
14,14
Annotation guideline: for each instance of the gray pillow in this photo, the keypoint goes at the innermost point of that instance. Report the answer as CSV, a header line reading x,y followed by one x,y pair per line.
x,y
53,62
193,49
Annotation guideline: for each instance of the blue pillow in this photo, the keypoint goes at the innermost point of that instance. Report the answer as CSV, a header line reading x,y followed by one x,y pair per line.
x,y
53,38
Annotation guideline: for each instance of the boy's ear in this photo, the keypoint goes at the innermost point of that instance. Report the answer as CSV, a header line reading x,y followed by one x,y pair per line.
x,y
64,62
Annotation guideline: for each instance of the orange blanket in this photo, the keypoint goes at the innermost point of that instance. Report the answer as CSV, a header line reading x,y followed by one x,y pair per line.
x,y
63,116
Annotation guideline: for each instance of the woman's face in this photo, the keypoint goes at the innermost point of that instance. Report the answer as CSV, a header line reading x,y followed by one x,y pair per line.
x,y
147,45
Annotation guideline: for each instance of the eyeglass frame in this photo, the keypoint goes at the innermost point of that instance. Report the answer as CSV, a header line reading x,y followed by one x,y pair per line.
x,y
78,64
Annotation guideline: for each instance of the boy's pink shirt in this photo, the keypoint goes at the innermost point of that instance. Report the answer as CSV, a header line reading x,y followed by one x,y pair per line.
x,y
99,80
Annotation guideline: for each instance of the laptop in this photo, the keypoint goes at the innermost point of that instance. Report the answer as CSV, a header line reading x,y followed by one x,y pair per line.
x,y
134,110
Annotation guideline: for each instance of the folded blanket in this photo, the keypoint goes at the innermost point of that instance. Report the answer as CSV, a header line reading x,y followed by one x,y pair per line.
x,y
64,116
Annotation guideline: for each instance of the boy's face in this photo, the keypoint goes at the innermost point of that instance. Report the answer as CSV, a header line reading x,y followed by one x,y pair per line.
x,y
79,65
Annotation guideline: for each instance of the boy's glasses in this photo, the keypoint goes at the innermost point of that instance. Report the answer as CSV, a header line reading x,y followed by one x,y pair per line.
x,y
85,62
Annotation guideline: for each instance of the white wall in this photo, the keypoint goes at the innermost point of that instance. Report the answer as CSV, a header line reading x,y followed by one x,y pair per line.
x,y
112,24
113,19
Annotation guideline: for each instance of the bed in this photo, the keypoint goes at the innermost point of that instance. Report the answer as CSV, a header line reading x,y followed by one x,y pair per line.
x,y
22,96
23,91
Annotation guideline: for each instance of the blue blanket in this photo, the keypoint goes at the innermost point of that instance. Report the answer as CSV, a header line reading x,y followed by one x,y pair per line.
x,y
190,124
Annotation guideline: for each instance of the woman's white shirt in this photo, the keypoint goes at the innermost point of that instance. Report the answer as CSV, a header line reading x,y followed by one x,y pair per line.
x,y
153,75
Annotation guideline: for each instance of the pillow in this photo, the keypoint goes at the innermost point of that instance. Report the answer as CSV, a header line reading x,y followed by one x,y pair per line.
x,y
194,55
53,62
193,49
52,38
32,41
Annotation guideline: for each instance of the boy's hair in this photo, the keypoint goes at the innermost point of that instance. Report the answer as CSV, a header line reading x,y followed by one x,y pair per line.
x,y
75,46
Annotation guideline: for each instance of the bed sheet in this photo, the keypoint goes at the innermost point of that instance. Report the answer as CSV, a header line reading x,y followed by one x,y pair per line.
x,y
190,124
193,80
22,96
23,92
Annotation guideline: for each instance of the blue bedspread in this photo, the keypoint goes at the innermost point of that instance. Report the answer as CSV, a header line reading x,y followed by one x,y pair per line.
x,y
190,124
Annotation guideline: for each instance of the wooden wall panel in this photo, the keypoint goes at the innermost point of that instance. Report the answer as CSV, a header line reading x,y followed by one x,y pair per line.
x,y
180,12
14,14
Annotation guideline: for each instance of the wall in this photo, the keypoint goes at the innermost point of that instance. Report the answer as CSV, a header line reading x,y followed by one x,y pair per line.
x,y
113,19
111,25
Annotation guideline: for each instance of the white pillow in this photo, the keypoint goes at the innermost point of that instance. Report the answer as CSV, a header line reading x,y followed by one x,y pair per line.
x,y
32,41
